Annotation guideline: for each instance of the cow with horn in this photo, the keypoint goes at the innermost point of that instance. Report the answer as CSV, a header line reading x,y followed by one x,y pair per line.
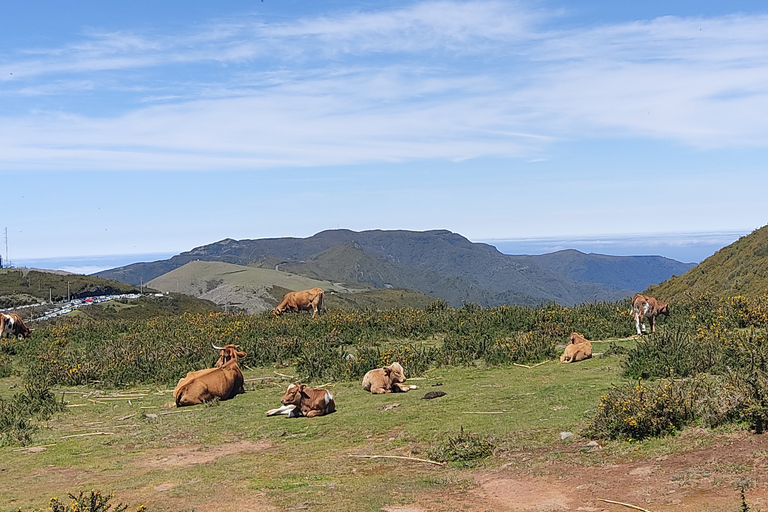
x,y
222,382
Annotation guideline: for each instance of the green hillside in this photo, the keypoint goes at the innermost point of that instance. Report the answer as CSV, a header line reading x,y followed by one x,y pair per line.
x,y
24,286
437,263
739,269
253,289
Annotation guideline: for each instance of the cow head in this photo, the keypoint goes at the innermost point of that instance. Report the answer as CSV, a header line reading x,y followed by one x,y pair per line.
x,y
576,338
277,311
227,353
395,372
664,308
293,394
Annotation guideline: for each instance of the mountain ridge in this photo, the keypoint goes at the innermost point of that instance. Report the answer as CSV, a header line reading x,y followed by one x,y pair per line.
x,y
440,263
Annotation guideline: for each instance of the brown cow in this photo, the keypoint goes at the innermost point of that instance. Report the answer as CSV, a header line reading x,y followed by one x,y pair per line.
x,y
643,306
386,380
579,348
11,324
301,301
223,382
299,400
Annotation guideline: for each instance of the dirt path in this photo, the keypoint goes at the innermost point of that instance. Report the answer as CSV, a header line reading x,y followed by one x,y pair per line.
x,y
703,479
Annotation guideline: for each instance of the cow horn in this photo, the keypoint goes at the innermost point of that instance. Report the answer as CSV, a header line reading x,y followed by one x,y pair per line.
x,y
217,348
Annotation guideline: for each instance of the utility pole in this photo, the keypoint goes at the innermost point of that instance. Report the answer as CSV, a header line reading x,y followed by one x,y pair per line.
x,y
67,291
6,247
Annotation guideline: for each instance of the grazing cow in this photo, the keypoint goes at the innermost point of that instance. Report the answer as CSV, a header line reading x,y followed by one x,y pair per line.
x,y
579,348
299,400
386,380
11,324
301,301
643,306
222,382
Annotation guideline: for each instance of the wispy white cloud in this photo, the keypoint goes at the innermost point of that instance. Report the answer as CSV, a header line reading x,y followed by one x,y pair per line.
x,y
435,80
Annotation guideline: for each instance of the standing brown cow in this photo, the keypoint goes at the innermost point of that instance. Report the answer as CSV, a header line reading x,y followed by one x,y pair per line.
x,y
301,301
11,324
643,306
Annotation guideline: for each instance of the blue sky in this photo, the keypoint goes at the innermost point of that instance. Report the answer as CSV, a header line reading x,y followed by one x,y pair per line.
x,y
155,127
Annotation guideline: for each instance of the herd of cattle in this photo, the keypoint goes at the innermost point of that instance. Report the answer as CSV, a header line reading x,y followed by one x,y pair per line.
x,y
225,380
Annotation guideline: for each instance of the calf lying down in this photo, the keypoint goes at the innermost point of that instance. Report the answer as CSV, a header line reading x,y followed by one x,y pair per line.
x,y
578,349
386,380
299,400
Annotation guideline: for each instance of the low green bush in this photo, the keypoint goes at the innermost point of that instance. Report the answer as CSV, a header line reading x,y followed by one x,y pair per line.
x,y
464,449
19,414
92,501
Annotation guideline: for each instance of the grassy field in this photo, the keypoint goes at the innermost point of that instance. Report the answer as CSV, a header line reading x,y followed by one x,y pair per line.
x,y
126,442
118,433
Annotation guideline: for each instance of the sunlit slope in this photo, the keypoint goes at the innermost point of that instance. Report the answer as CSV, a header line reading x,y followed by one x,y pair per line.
x,y
248,288
738,269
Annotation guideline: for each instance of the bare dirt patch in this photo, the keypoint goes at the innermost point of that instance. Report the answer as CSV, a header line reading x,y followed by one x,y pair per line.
x,y
698,480
190,455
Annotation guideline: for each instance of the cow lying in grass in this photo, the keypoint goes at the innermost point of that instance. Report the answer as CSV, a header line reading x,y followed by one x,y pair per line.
x,y
299,400
223,382
386,380
644,306
578,349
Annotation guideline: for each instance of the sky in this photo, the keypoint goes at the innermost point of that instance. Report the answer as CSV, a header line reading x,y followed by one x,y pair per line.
x,y
141,129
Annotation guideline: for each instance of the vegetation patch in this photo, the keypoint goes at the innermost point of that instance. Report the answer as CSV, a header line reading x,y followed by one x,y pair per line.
x,y
19,414
92,501
464,449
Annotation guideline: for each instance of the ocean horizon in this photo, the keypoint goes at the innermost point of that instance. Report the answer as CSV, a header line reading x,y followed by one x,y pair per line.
x,y
89,264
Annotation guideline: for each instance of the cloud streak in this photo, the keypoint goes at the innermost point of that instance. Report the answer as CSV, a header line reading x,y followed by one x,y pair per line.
x,y
435,80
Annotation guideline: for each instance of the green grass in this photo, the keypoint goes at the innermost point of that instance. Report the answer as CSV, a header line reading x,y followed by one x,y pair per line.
x,y
308,457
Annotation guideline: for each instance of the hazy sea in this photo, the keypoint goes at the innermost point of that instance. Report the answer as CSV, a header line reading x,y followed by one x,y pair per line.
x,y
89,264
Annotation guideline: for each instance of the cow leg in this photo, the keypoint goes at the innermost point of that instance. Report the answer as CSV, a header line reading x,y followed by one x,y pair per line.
x,y
405,387
285,409
653,323
637,324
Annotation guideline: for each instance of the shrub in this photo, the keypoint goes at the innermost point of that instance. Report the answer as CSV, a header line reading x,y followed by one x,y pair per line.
x,y
679,352
93,501
521,347
17,416
640,411
464,449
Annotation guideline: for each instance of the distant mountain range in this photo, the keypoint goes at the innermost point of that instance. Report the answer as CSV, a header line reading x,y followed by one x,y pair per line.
x,y
438,263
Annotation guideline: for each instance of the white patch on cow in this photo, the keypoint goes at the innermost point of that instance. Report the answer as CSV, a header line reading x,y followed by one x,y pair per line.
x,y
285,409
328,397
7,325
